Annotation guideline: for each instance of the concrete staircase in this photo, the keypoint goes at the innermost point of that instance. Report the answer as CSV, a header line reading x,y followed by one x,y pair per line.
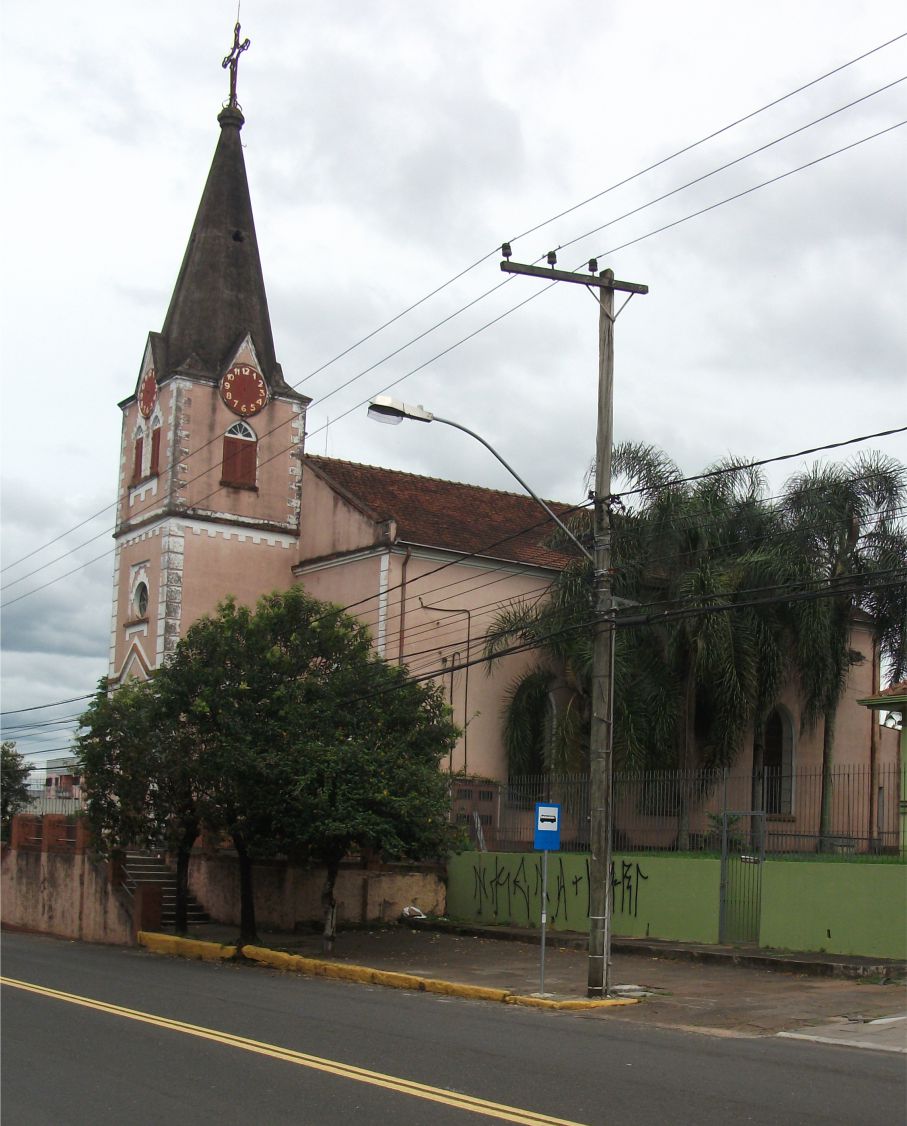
x,y
150,868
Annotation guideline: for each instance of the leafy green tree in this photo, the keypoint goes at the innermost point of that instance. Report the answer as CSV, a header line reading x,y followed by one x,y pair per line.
x,y
14,771
137,773
307,742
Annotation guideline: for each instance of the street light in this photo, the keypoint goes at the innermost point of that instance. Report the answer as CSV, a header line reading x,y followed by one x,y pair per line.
x,y
388,410
392,412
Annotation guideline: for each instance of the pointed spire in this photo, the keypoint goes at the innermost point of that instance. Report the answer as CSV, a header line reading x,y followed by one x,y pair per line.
x,y
219,295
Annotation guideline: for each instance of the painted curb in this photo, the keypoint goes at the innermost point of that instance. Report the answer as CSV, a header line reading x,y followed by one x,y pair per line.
x,y
339,971
570,1005
185,947
317,967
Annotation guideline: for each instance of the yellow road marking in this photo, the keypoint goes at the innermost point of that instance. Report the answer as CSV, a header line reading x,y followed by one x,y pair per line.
x,y
303,1059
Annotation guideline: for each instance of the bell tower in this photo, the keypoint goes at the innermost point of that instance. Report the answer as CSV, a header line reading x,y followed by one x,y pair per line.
x,y
212,434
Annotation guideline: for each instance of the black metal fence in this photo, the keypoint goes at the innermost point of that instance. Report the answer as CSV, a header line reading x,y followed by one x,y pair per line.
x,y
669,811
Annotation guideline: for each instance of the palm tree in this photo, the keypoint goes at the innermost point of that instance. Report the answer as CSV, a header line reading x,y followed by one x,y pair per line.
x,y
686,684
844,525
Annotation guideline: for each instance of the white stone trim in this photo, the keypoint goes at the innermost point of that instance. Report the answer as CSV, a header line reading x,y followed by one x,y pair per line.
x,y
170,592
140,491
213,529
114,613
383,573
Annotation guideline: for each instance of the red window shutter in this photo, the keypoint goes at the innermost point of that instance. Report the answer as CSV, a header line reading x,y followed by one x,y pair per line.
x,y
155,451
137,460
239,465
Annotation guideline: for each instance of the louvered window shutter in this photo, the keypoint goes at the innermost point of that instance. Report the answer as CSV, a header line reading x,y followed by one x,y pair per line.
x,y
155,451
137,460
239,462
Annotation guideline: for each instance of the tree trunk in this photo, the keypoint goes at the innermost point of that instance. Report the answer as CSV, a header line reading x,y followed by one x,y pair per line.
x,y
828,744
757,792
873,828
247,930
183,854
687,758
329,906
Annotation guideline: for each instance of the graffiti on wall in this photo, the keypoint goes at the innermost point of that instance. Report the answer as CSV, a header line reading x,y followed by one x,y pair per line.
x,y
508,888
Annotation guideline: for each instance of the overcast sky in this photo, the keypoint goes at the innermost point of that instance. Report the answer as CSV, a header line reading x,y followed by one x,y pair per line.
x,y
391,146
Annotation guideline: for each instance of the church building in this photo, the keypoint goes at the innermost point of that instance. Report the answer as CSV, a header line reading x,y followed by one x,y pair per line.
x,y
217,497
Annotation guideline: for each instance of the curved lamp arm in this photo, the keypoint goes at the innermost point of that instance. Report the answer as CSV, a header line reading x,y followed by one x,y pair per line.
x,y
385,409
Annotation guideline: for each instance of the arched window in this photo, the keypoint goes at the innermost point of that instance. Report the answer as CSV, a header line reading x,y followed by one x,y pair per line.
x,y
778,762
138,451
240,462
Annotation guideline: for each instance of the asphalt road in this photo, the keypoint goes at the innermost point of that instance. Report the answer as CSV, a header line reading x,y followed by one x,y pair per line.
x,y
105,1035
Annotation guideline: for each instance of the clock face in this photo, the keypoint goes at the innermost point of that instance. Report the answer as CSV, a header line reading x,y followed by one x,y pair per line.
x,y
244,390
148,392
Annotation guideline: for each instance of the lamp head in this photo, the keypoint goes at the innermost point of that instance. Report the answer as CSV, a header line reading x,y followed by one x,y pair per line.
x,y
384,409
391,411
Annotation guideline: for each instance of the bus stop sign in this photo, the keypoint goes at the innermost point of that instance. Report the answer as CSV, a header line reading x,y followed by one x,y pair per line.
x,y
547,827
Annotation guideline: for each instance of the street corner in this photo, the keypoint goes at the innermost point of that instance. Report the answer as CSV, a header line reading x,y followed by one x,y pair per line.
x,y
883,1034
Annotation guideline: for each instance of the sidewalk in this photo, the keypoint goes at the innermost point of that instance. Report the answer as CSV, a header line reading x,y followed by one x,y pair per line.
x,y
714,990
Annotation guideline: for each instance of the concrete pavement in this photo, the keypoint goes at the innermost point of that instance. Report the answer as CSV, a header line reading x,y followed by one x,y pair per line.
x,y
716,991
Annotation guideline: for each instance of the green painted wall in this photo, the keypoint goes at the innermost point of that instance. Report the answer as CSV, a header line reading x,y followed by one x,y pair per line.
x,y
654,896
862,905
841,908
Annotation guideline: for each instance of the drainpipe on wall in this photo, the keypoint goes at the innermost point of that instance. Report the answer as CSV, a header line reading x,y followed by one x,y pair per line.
x,y
468,613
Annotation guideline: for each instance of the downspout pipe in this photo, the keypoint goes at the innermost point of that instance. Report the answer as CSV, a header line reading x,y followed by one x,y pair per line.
x,y
468,613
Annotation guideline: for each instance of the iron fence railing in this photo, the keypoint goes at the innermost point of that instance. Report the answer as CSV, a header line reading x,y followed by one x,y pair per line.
x,y
682,810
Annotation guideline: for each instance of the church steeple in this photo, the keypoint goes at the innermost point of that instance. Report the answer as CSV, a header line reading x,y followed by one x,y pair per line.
x,y
210,476
219,297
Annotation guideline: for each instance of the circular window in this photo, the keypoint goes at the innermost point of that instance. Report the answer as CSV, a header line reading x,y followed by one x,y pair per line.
x,y
140,600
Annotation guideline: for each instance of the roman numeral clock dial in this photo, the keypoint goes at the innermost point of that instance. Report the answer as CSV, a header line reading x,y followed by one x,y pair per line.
x,y
244,390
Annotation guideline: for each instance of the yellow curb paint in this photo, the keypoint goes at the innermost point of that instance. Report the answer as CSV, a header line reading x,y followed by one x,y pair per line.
x,y
365,974
185,947
413,1088
341,971
567,1005
472,992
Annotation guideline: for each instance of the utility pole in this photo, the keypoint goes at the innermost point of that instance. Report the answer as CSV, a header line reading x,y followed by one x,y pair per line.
x,y
601,736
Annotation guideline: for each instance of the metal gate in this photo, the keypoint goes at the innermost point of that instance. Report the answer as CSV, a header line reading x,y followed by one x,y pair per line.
x,y
742,857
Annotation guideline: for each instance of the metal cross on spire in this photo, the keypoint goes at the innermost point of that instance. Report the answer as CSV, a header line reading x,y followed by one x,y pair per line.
x,y
232,61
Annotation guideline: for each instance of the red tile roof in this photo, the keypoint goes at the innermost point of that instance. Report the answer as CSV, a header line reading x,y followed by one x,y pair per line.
x,y
448,515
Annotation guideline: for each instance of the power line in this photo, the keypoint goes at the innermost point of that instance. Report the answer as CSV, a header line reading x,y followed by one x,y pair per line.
x,y
754,188
531,230
731,163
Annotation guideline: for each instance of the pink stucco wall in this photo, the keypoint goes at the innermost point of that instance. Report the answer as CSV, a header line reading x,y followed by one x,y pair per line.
x,y
287,897
50,884
435,641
